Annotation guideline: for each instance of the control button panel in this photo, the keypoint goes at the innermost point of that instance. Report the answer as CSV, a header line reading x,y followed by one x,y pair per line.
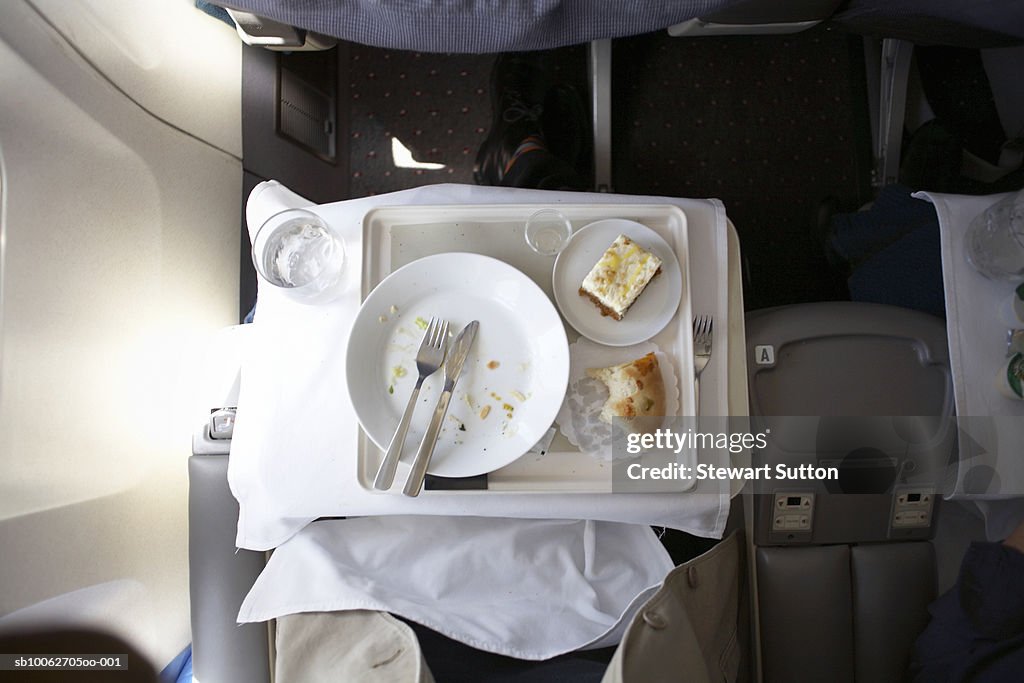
x,y
792,512
912,508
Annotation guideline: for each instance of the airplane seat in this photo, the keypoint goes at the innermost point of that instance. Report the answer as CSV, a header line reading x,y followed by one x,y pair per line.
x,y
856,538
739,17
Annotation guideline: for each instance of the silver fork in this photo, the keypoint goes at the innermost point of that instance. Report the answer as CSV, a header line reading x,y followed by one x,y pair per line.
x,y
703,333
429,359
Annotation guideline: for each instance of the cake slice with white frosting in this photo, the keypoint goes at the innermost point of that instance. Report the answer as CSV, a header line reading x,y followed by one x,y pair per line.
x,y
620,276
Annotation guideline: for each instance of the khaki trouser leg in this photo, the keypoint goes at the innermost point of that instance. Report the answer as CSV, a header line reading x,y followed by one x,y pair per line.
x,y
689,630
341,647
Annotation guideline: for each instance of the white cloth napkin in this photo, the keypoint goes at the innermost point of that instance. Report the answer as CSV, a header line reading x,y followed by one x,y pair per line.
x,y
530,589
294,451
977,346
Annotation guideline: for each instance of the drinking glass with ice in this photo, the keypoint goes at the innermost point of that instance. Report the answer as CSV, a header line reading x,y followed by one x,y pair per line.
x,y
298,252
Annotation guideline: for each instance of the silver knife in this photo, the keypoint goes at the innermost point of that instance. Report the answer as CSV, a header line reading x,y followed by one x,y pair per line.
x,y
457,354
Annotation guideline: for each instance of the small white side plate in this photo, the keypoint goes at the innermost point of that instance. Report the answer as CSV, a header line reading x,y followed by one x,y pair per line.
x,y
653,309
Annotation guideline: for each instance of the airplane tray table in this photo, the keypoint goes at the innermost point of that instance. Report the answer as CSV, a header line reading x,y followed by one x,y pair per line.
x,y
396,236
295,451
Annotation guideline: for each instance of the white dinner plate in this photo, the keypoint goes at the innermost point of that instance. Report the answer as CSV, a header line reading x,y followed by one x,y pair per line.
x,y
511,386
653,309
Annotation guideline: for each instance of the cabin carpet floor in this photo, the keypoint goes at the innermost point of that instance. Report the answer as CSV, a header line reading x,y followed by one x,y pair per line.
x,y
771,125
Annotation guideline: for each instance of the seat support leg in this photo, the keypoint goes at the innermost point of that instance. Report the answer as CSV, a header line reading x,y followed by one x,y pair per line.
x,y
600,68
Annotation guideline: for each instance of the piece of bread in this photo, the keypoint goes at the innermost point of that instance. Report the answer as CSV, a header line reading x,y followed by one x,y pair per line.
x,y
620,276
635,389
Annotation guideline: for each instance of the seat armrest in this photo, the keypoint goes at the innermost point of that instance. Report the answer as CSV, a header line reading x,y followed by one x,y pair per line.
x,y
220,577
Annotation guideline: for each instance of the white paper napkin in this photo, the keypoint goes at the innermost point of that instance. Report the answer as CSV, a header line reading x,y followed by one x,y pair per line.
x,y
579,416
530,589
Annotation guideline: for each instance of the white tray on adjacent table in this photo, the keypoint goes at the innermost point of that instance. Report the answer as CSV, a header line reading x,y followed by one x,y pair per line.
x,y
396,236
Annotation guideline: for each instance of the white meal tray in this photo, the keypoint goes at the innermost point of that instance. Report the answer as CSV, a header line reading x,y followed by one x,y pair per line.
x,y
396,236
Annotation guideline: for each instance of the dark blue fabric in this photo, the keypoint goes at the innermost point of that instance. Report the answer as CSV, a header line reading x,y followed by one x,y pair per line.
x,y
907,274
215,12
964,23
976,634
478,26
895,252
894,213
453,662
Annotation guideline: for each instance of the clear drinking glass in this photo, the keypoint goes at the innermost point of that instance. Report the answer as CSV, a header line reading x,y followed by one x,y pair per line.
x,y
994,243
301,254
548,232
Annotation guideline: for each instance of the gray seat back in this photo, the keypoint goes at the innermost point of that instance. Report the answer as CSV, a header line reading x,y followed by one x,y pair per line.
x,y
844,570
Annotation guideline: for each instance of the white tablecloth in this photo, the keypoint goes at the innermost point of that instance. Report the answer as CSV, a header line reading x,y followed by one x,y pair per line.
x,y
293,455
530,589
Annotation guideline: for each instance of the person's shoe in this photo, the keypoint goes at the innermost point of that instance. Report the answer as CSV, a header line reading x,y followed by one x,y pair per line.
x,y
566,127
518,88
824,233
932,158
